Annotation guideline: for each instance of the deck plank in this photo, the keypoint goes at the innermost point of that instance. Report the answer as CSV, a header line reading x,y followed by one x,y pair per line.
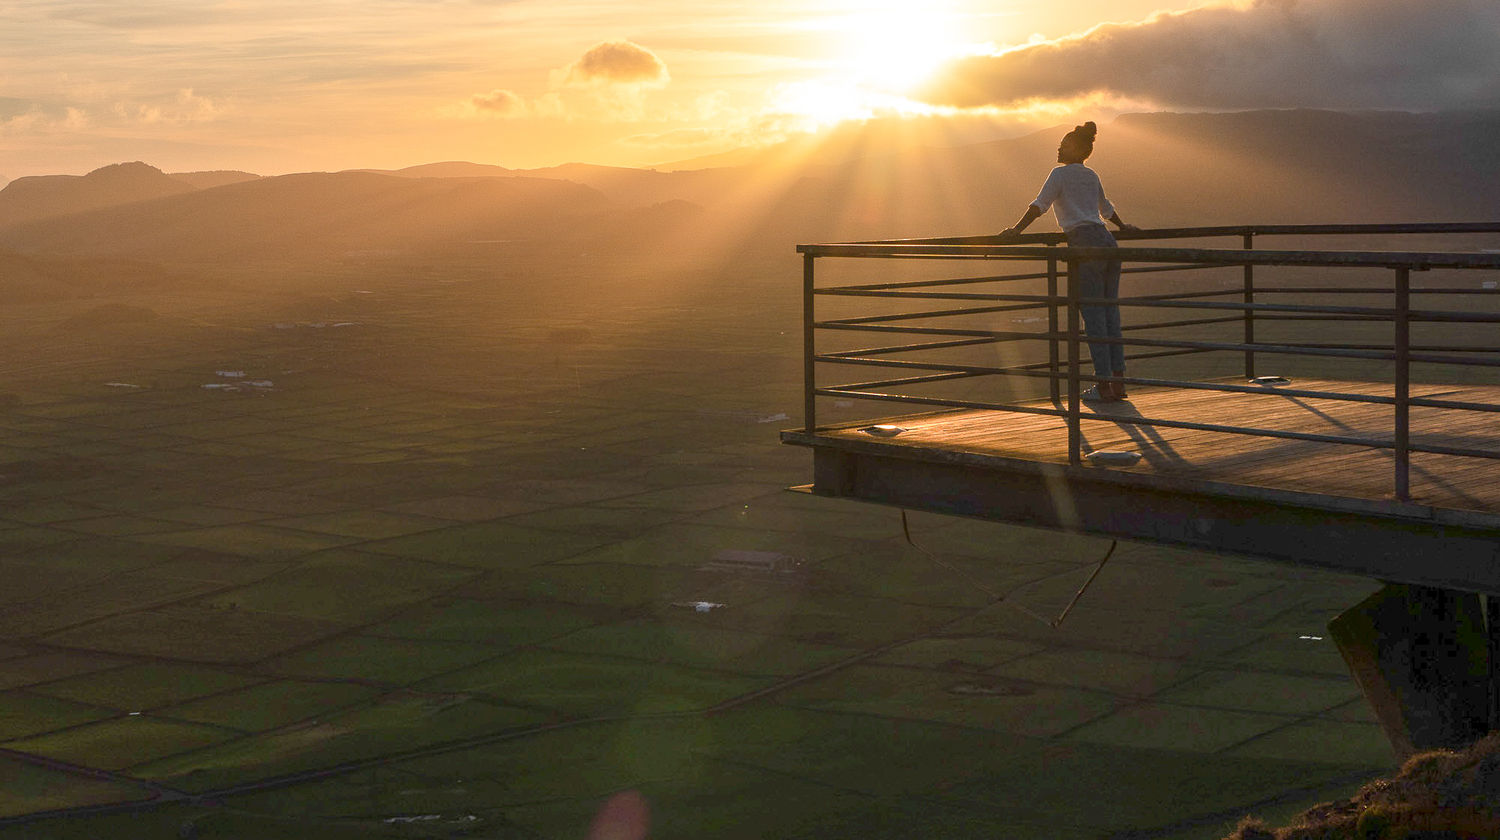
x,y
1344,470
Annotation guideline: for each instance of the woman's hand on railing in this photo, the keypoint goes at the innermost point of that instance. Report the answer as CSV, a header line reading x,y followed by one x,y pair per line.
x,y
1010,234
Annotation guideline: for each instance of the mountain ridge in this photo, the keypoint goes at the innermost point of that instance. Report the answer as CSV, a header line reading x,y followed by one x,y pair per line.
x,y
1161,170
44,196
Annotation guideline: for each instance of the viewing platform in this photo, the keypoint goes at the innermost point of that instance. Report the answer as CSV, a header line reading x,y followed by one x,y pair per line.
x,y
1329,408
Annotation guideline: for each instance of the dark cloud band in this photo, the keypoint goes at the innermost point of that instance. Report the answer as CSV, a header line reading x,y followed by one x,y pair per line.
x,y
1272,53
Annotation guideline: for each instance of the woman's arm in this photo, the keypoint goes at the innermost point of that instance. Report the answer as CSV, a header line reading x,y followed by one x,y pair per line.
x,y
1121,224
1031,215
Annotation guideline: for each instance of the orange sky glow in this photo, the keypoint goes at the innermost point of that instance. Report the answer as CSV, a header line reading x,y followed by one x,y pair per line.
x,y
274,86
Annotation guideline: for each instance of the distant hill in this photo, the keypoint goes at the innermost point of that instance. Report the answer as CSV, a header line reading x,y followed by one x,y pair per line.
x,y
216,178
46,196
330,214
630,187
450,169
1162,170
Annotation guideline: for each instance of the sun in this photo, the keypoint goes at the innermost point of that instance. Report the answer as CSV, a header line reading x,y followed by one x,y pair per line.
x,y
877,53
897,47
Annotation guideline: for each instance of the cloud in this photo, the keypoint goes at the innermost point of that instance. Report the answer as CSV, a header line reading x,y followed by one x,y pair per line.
x,y
619,63
195,108
39,121
186,107
498,103
1261,54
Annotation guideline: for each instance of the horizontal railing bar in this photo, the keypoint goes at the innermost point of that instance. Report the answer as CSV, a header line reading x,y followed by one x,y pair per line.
x,y
1151,326
1160,301
998,278
1430,348
904,348
901,295
1223,230
939,313
1281,349
977,370
1202,256
1435,359
843,322
1138,342
903,255
1162,354
1375,319
1301,350
1228,306
1027,370
1452,317
998,334
913,380
955,281
1457,405
1369,290
1156,325
1175,301
850,291
1461,452
940,401
1237,290
1432,316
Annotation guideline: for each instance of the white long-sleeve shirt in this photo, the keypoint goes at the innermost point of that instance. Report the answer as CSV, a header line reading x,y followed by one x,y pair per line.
x,y
1075,195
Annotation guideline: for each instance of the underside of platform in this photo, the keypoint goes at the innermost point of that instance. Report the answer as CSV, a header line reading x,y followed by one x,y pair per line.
x,y
1404,542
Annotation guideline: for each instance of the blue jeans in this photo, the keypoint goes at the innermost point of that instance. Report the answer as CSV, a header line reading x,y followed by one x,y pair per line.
x,y
1099,279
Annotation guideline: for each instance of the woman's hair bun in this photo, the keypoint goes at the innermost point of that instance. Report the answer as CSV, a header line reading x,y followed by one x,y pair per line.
x,y
1087,131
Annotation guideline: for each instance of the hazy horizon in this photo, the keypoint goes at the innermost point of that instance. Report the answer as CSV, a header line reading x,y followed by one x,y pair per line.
x,y
275,88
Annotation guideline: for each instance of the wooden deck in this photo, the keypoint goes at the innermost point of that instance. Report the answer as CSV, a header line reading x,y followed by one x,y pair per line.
x,y
1316,503
1176,455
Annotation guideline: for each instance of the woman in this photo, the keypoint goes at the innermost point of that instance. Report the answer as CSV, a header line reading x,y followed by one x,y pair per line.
x,y
1077,199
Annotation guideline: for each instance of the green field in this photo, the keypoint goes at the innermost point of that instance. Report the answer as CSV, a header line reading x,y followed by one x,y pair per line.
x,y
439,580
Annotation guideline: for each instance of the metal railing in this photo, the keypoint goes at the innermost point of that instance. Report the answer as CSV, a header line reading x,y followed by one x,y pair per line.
x,y
1247,307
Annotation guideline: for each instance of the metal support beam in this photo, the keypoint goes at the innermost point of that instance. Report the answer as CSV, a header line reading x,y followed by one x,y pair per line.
x,y
1402,344
1075,434
1367,541
1249,240
1053,357
809,348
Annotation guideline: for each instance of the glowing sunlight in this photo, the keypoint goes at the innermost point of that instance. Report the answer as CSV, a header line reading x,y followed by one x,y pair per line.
x,y
897,47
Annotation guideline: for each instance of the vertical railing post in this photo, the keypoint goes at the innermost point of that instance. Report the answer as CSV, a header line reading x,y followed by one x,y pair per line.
x,y
1492,636
1249,311
809,349
1053,357
1403,384
1075,434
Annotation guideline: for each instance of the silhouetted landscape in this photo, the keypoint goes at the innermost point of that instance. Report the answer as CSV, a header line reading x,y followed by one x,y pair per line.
x,y
1170,169
462,481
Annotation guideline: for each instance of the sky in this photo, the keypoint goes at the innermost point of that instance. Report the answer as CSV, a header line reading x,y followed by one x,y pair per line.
x,y
275,86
